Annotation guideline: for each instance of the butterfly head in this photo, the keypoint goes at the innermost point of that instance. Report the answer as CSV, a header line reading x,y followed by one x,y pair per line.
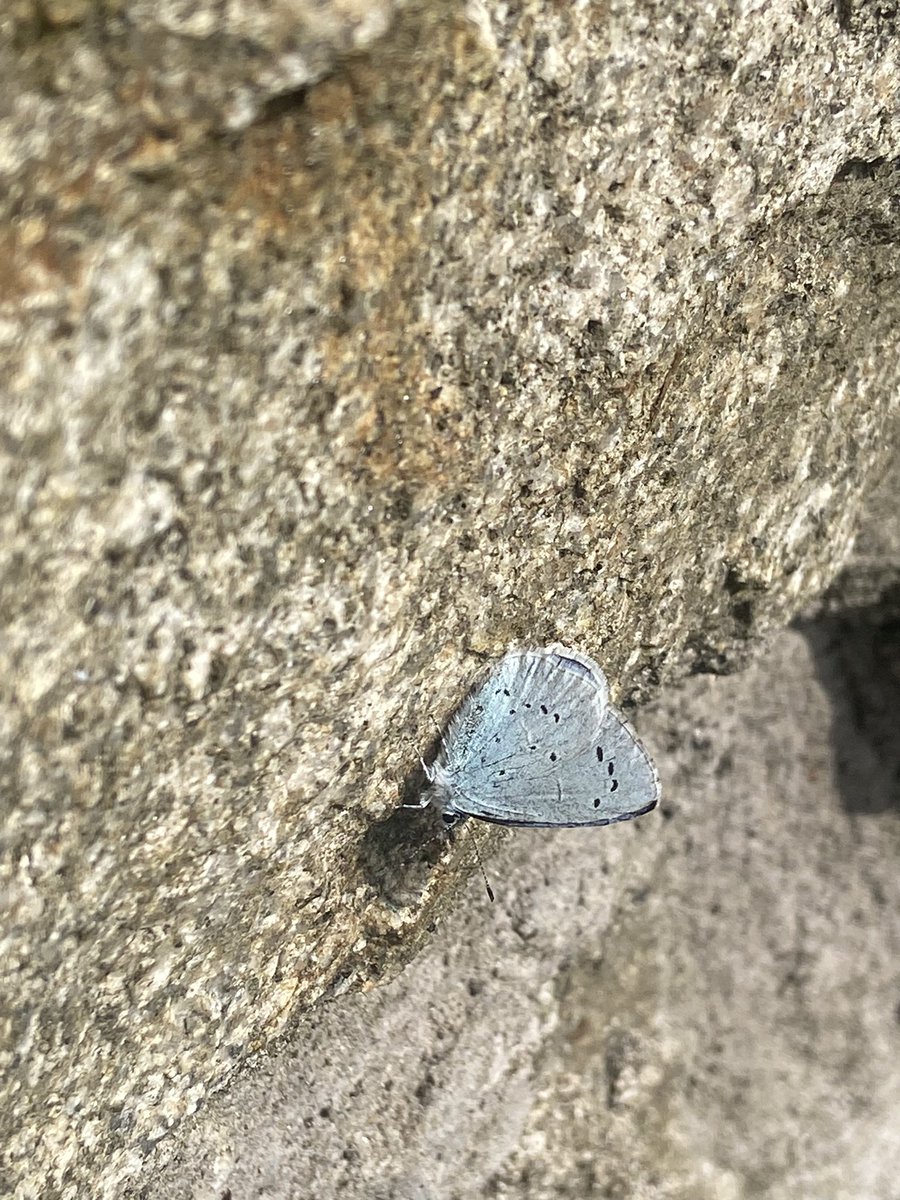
x,y
439,793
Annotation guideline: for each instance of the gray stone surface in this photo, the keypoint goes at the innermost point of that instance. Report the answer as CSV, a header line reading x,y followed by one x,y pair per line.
x,y
867,587
200,66
511,324
703,1006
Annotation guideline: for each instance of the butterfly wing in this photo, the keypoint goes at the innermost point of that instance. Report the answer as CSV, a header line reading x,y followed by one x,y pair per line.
x,y
530,696
538,744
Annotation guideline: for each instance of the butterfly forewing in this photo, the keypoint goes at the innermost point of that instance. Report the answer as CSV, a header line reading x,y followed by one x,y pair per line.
x,y
529,699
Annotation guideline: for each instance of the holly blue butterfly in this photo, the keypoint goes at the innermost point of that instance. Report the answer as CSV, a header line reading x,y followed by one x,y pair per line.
x,y
538,743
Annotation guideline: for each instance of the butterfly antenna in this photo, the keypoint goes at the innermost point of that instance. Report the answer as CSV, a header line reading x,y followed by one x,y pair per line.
x,y
487,886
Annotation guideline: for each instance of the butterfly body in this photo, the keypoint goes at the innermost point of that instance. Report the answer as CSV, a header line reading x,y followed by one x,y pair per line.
x,y
538,743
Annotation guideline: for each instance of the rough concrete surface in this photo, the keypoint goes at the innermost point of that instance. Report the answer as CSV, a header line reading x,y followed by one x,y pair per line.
x,y
342,346
704,1005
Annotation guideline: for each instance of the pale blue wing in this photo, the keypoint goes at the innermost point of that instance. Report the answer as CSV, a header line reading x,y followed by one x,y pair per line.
x,y
538,744
613,779
554,696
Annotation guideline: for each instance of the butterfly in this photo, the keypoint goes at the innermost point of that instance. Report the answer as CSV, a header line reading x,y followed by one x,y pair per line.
x,y
538,743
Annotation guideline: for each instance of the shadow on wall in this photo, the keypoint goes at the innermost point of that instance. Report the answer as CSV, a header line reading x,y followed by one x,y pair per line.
x,y
398,854
857,659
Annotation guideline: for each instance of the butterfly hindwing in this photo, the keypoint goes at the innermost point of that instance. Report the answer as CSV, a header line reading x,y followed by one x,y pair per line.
x,y
612,779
